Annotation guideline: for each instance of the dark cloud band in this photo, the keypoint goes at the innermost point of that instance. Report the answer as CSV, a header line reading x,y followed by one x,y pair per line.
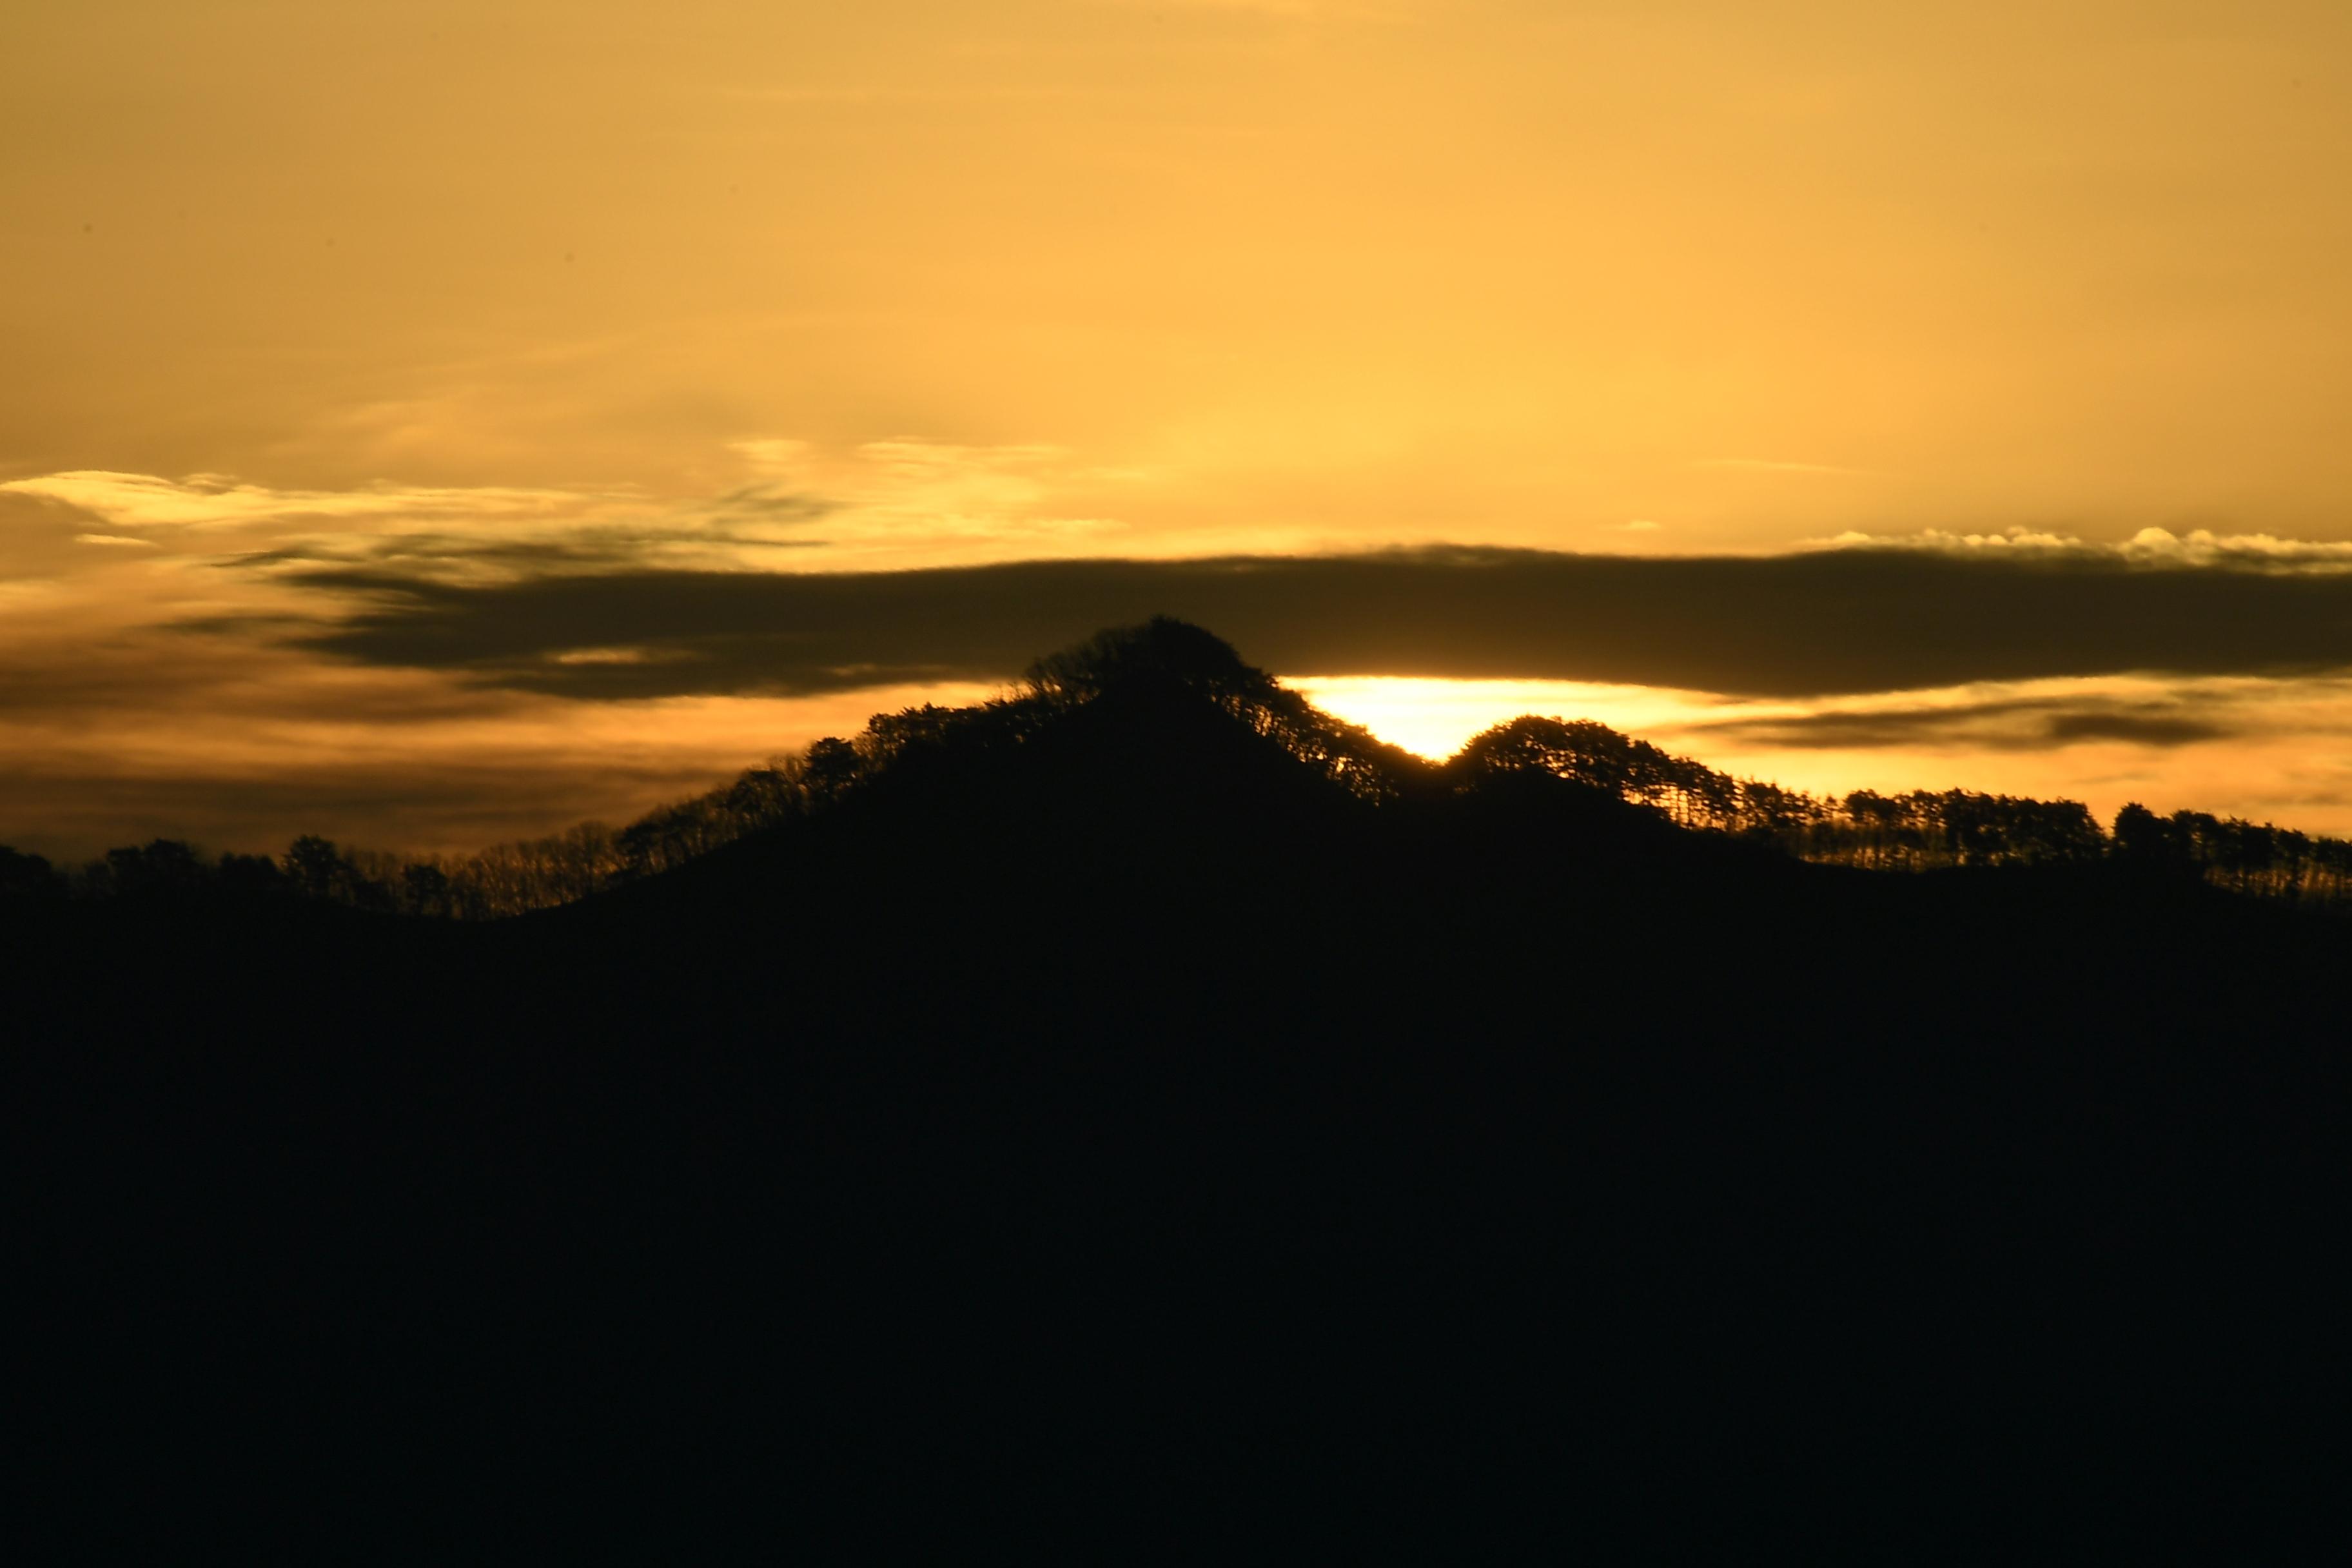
x,y
2031,724
1812,624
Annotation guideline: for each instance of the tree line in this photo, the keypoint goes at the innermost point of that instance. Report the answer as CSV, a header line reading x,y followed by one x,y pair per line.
x,y
1917,831
1921,830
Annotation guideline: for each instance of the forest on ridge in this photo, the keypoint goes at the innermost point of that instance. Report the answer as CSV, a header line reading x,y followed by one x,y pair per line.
x,y
1914,831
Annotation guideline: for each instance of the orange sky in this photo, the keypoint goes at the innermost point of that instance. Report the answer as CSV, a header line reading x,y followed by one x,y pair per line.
x,y
485,290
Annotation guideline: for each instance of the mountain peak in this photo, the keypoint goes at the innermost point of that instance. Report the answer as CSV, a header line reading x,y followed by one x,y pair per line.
x,y
1162,652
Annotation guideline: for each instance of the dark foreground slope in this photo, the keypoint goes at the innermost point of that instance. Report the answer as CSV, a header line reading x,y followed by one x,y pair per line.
x,y
1131,1134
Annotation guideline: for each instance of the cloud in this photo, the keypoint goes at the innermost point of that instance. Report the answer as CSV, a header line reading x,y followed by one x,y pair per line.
x,y
2031,724
192,523
1805,624
2148,547
2145,728
209,502
458,533
470,557
774,503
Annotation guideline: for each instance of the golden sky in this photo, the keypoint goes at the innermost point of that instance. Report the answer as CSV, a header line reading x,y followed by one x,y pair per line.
x,y
486,295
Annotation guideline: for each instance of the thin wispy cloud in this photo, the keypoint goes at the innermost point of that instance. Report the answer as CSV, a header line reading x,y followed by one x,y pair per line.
x,y
879,503
214,501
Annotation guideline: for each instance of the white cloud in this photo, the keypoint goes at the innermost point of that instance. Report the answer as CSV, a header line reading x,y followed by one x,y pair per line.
x,y
2148,547
2201,547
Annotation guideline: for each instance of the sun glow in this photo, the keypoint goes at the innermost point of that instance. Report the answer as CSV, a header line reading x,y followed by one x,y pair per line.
x,y
2267,750
1433,718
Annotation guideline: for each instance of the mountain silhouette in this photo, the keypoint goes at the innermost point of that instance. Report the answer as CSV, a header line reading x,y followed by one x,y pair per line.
x,y
1147,1099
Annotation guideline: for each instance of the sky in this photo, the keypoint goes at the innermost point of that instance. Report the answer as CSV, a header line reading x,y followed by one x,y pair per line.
x,y
432,424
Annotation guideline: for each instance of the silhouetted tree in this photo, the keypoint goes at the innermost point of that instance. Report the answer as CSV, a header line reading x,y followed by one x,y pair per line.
x,y
516,878
165,867
1164,657
250,875
2142,836
1781,814
834,767
425,889
27,878
316,869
